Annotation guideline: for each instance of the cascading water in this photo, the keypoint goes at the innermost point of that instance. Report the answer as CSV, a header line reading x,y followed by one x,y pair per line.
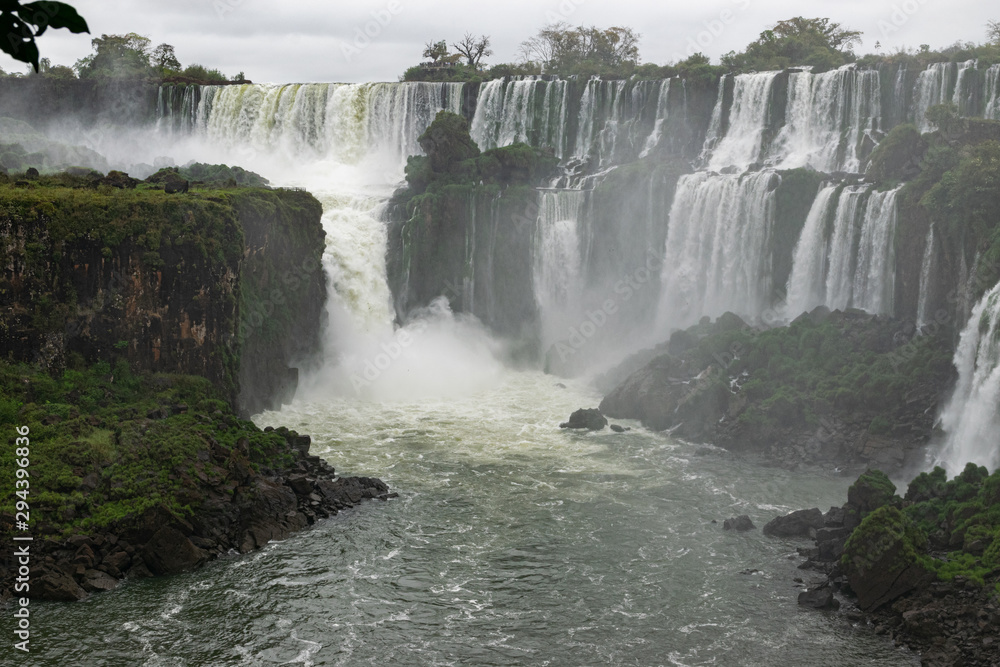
x,y
992,94
662,109
851,266
942,83
874,277
971,420
805,284
926,269
558,262
717,256
743,142
826,117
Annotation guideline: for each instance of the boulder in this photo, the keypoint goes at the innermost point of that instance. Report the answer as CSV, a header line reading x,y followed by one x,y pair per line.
x,y
120,180
59,586
176,185
739,523
801,523
872,490
819,598
882,558
170,551
590,419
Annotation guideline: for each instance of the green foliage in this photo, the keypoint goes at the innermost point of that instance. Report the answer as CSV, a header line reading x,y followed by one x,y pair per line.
x,y
202,74
453,159
797,41
583,51
898,155
23,23
883,530
93,423
117,56
215,175
965,200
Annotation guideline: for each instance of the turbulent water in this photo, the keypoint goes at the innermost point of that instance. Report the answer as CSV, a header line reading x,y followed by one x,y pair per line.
x,y
971,419
512,543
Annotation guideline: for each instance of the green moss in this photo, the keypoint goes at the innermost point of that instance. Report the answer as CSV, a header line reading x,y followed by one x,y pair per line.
x,y
93,424
884,529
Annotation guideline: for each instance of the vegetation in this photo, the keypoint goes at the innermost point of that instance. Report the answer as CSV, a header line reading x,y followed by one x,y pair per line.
x,y
587,51
797,41
453,158
23,23
99,461
211,175
813,367
951,528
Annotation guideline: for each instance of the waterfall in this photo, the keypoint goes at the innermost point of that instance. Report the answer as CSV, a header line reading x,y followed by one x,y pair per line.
x,y
874,278
717,255
507,112
662,102
942,83
557,262
840,274
714,133
826,117
742,144
926,267
851,262
971,418
805,284
992,96
342,122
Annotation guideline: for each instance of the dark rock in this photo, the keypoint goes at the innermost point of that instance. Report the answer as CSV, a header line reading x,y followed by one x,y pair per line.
x,y
31,173
590,419
175,186
57,586
872,490
882,562
120,180
170,551
620,429
819,598
739,523
801,523
300,484
95,580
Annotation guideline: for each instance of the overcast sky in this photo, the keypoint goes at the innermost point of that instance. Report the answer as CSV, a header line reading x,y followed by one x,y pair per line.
x,y
313,40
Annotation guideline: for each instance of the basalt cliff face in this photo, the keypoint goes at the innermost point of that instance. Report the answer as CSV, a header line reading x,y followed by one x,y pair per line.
x,y
227,285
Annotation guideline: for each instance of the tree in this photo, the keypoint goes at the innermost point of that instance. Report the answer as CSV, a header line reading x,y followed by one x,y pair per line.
x,y
164,59
116,56
435,50
797,41
558,48
22,24
993,32
474,48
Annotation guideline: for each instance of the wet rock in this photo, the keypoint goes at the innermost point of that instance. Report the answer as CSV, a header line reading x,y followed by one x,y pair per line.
x,y
819,598
170,551
801,523
620,429
740,523
57,586
590,419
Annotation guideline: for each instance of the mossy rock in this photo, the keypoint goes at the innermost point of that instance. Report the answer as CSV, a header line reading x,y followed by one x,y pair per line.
x,y
884,558
872,490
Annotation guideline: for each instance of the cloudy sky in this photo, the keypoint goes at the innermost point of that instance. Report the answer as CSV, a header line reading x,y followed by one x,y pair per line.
x,y
376,40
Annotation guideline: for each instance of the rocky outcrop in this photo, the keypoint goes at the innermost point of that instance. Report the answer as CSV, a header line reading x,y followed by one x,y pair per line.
x,y
240,511
801,523
875,556
589,419
756,391
193,284
740,524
